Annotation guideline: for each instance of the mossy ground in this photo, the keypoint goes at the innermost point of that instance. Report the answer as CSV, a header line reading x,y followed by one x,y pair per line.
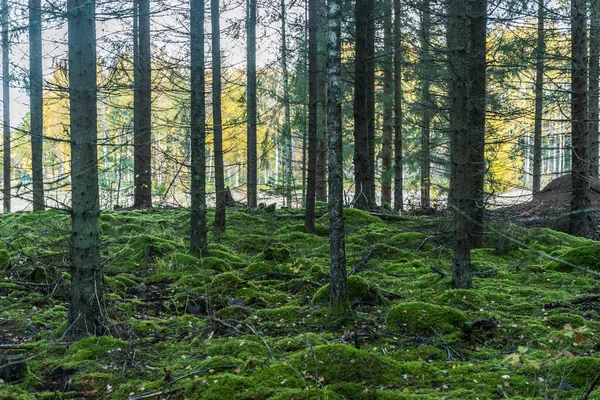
x,y
250,319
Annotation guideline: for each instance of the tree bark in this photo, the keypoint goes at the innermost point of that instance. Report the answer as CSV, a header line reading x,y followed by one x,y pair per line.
x,y
425,69
143,112
388,107
580,221
198,240
36,102
287,126
321,189
338,289
593,84
6,105
220,212
398,161
251,126
86,312
539,100
362,138
313,110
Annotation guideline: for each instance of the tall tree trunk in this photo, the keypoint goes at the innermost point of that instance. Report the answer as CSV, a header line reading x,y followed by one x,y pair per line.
x,y
36,101
220,212
338,289
425,69
86,311
539,100
362,138
313,98
251,77
388,107
370,83
477,107
6,104
287,126
198,240
142,145
594,73
321,185
398,161
580,221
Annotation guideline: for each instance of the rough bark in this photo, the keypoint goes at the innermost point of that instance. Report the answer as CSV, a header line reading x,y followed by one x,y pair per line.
x,y
142,145
36,102
362,139
370,84
398,168
540,52
198,240
321,190
6,105
476,115
86,311
338,292
251,111
313,109
593,84
287,126
388,107
425,70
220,212
580,221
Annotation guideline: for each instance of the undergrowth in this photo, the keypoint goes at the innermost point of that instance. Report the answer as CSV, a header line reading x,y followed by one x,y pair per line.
x,y
249,319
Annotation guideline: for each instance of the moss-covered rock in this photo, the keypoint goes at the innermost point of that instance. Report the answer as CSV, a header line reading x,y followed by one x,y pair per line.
x,y
359,292
585,256
424,318
559,320
462,299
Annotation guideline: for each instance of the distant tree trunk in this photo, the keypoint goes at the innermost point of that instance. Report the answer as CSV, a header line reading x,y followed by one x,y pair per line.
x,y
388,107
581,221
338,290
477,107
370,83
36,102
220,212
425,70
313,110
321,189
594,73
251,76
362,138
6,104
86,314
539,99
143,112
398,161
287,131
198,239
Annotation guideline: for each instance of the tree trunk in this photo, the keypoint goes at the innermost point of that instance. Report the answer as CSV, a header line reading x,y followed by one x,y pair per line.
x,y
580,221
321,185
425,69
539,100
476,112
36,102
86,312
220,212
398,167
338,290
198,240
370,84
313,109
287,126
6,104
362,138
594,73
251,76
388,107
142,145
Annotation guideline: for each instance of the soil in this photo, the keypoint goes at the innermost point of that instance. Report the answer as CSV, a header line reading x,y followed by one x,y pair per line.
x,y
551,206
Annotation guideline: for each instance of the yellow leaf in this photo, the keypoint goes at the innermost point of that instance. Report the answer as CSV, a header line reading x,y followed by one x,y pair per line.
x,y
533,364
580,338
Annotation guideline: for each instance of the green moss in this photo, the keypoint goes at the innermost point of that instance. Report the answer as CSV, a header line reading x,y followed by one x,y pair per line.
x,y
250,244
258,268
585,256
95,349
276,252
558,321
215,264
359,292
228,256
462,299
182,260
579,372
282,314
423,318
5,259
411,241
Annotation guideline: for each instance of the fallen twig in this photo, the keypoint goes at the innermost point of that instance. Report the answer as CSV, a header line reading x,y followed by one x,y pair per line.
x,y
440,272
580,300
362,263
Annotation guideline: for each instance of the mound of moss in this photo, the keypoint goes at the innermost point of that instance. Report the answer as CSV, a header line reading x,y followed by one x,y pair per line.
x,y
425,318
359,292
585,256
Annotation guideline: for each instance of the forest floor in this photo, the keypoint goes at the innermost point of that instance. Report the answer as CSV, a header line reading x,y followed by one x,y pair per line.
x,y
250,320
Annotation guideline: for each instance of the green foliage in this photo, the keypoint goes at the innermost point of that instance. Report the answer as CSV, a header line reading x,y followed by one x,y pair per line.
x,y
424,318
